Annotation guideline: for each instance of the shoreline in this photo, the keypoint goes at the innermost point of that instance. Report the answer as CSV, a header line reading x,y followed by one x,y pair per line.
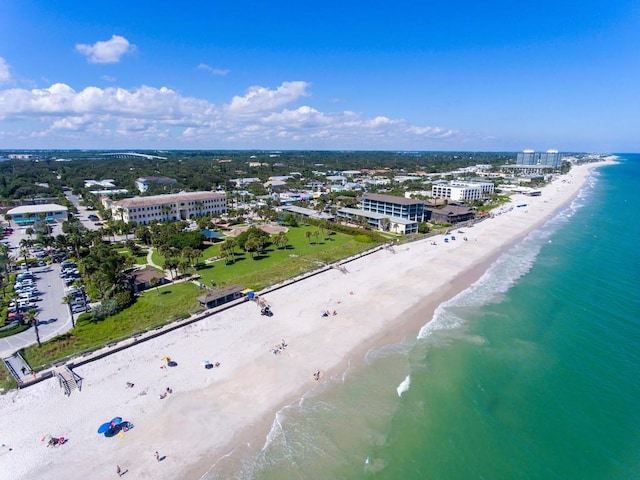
x,y
212,412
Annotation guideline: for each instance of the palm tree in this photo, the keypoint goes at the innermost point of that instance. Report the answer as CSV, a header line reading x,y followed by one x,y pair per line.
x,y
170,264
68,299
308,235
251,246
24,252
316,234
31,318
190,254
155,282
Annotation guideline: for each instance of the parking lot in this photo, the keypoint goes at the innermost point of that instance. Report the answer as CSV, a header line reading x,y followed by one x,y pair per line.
x,y
53,315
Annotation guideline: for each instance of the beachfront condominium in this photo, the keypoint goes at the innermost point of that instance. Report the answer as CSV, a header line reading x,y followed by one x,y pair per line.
x,y
162,208
462,191
392,206
550,158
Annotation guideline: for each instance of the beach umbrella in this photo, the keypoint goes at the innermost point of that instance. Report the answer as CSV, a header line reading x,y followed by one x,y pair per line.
x,y
116,421
104,427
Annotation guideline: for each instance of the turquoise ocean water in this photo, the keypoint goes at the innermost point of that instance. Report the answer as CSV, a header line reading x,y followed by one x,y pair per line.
x,y
532,373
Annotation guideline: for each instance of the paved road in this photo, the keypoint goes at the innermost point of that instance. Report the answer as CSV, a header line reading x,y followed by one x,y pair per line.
x,y
53,315
83,213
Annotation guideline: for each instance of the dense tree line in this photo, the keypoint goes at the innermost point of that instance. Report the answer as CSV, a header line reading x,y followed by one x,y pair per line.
x,y
208,170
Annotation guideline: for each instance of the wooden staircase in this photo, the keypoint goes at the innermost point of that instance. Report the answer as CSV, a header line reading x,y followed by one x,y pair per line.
x,y
68,380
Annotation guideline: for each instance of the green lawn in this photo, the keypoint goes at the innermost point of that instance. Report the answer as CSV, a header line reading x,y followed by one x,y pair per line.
x,y
156,257
277,264
153,308
157,307
138,259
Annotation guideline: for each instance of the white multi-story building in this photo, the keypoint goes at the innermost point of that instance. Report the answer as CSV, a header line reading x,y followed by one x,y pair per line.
x,y
462,191
550,158
162,208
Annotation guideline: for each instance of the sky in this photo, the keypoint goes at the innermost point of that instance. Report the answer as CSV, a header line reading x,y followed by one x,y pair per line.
x,y
409,75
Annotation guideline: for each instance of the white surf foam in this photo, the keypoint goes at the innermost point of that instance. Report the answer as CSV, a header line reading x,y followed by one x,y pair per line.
x,y
404,385
506,271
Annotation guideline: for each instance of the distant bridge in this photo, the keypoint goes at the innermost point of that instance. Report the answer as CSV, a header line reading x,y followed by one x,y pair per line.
x,y
133,154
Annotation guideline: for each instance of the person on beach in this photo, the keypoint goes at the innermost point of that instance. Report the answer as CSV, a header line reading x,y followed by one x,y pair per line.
x,y
118,470
157,455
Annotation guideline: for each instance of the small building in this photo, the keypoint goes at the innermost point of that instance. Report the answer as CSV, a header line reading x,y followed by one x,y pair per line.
x,y
28,214
143,183
221,296
106,183
242,182
307,212
143,279
450,214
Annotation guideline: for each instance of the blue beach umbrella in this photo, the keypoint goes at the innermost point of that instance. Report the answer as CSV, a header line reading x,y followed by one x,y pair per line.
x,y
104,427
116,421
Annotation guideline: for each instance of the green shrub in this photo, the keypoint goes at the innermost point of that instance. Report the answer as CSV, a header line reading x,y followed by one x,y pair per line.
x,y
84,317
363,238
124,299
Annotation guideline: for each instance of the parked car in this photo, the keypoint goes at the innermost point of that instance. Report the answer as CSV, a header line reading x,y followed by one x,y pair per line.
x,y
26,303
80,308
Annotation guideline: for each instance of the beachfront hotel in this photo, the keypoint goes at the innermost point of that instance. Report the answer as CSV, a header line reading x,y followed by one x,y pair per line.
x,y
462,191
162,208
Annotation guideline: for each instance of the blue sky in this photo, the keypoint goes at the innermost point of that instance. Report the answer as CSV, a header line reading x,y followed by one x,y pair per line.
x,y
401,75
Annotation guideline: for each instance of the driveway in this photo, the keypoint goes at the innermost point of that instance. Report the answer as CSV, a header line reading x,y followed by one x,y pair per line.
x,y
83,213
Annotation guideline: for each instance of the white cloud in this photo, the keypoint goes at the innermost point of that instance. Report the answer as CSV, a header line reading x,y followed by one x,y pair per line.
x,y
261,99
5,75
109,51
214,71
59,117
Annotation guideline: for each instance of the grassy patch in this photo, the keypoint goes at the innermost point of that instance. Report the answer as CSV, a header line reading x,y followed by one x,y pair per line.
x,y
152,309
156,257
277,264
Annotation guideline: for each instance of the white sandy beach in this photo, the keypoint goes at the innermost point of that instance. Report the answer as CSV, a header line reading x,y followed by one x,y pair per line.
x,y
213,410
